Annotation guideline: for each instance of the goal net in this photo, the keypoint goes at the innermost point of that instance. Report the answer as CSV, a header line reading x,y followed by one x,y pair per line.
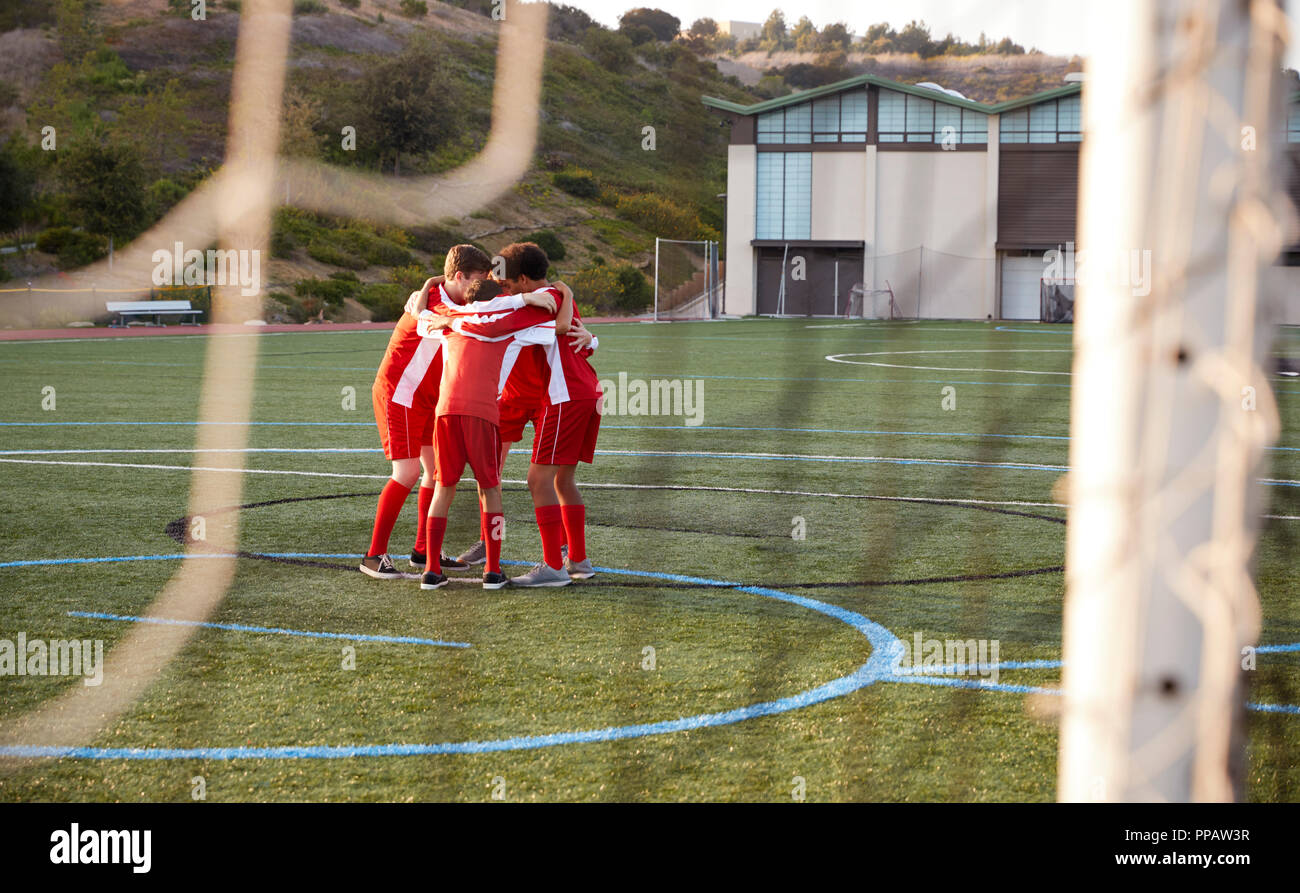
x,y
1056,300
687,280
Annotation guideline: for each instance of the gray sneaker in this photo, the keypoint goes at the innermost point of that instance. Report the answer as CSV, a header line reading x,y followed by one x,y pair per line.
x,y
542,575
580,570
475,554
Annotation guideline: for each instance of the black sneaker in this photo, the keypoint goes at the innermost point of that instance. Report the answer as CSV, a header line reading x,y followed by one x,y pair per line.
x,y
475,554
430,580
452,564
494,581
419,561
380,567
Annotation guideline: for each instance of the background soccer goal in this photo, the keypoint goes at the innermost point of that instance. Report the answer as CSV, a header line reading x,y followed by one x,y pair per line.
x,y
1056,300
688,280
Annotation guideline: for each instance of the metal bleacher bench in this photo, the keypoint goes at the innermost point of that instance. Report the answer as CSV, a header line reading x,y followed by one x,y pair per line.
x,y
124,311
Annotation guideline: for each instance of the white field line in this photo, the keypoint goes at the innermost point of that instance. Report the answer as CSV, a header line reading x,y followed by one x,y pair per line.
x,y
612,486
653,453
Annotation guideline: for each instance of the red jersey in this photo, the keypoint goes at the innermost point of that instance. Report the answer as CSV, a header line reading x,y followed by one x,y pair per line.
x,y
476,352
412,366
567,372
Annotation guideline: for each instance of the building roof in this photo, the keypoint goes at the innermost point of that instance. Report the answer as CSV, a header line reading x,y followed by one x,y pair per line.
x,y
864,79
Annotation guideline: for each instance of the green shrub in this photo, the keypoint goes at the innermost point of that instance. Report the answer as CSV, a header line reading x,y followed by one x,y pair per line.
x,y
610,49
616,290
434,239
351,4
656,214
548,242
331,291
577,181
414,8
74,248
309,7
385,300
328,253
374,250
164,194
282,244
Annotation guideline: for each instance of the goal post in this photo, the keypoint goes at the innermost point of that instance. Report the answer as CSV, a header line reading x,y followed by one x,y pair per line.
x,y
1164,455
687,281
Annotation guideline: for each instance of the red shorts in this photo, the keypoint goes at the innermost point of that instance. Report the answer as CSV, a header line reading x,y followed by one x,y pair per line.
x,y
402,430
514,419
461,439
565,434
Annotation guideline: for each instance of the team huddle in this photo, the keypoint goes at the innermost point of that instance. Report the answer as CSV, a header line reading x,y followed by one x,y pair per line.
x,y
471,363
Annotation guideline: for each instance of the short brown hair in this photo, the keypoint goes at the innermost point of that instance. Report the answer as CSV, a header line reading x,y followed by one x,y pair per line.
x,y
466,259
482,290
525,259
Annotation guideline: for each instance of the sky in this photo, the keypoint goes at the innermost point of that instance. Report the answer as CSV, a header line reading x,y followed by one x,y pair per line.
x,y
1050,25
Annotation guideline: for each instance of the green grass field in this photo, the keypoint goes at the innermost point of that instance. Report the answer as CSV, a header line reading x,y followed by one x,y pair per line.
x,y
789,443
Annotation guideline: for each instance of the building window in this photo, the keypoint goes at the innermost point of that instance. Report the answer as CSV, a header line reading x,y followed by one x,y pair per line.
x,y
903,118
841,118
784,196
1057,121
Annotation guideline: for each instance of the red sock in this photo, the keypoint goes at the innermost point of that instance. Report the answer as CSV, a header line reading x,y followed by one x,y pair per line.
x,y
575,528
494,531
390,506
425,500
434,531
551,526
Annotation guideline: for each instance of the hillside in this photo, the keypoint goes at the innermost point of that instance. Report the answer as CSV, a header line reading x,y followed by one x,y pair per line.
x,y
139,90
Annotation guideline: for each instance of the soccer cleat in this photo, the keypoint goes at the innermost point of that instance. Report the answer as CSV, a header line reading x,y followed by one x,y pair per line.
x,y
494,581
475,554
452,564
580,570
430,580
380,567
419,561
542,575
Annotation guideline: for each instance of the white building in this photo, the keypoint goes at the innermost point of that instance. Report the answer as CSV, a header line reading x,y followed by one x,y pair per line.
x,y
947,203
740,30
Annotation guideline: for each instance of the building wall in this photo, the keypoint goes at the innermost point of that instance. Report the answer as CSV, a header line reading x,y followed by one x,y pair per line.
x,y
742,163
838,181
1284,283
936,201
741,30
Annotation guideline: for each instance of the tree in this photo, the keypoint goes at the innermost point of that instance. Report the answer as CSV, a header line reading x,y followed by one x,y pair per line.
x,y
774,28
836,36
106,186
664,25
705,27
610,49
915,38
16,185
77,25
408,103
804,35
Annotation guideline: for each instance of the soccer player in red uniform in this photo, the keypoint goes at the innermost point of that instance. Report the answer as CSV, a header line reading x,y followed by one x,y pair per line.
x,y
564,434
466,428
405,395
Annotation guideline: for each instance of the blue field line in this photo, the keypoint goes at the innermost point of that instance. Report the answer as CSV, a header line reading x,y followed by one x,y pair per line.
x,y
886,649
886,655
1293,709
241,628
1277,649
